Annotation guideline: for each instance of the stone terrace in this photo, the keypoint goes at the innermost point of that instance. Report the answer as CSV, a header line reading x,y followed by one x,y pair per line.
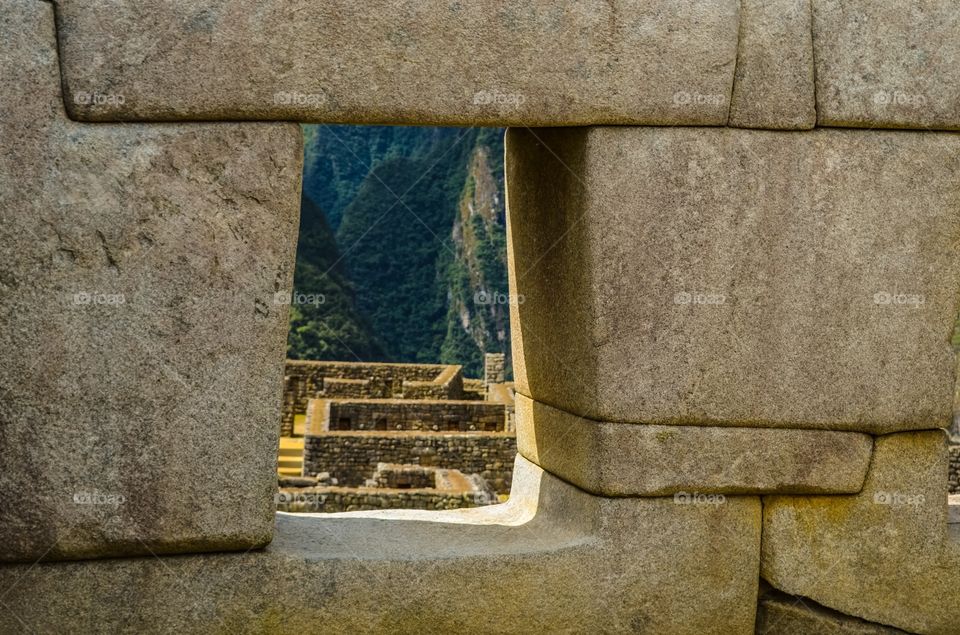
x,y
305,380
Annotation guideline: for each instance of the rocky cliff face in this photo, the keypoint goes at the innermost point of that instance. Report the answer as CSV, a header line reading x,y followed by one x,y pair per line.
x,y
478,315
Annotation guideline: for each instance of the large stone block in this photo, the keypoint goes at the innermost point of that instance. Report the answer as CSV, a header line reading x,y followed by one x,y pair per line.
x,y
412,61
746,278
884,555
773,85
623,459
781,614
887,64
553,559
142,347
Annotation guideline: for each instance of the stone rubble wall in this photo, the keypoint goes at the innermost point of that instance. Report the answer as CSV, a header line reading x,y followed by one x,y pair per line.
x,y
409,414
304,380
344,499
399,476
352,458
954,474
494,368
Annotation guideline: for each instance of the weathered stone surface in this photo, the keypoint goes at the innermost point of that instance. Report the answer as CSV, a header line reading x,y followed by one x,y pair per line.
x,y
736,277
623,459
142,350
413,61
884,555
781,614
773,85
887,64
553,559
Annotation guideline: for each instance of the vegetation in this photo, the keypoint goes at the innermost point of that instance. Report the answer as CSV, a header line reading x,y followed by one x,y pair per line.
x,y
324,320
409,249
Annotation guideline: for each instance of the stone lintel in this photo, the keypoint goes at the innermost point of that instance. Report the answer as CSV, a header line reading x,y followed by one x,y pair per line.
x,y
408,62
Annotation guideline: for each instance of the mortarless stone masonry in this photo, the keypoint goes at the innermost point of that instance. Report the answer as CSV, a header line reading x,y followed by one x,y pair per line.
x,y
140,366
694,277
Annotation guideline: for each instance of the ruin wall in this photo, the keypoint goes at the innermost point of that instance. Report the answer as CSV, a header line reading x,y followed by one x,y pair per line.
x,y
304,380
349,499
408,414
352,457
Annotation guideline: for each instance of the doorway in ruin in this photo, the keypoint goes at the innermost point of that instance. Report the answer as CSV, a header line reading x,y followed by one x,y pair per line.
x,y
398,387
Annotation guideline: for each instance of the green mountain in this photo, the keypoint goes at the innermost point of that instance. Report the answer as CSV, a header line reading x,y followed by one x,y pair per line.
x,y
337,159
419,221
324,320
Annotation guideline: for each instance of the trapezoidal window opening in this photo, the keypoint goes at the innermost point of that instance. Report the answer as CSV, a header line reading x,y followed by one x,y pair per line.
x,y
398,387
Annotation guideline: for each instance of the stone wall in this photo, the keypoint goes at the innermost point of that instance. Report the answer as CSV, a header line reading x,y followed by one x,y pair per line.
x,y
805,255
427,415
494,368
399,476
954,478
352,457
304,380
350,499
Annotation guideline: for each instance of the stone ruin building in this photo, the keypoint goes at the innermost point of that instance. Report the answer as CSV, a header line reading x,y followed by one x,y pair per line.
x,y
734,224
446,441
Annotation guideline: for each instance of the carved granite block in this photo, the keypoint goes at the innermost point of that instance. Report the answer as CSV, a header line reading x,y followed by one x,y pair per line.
x,y
707,276
886,554
523,62
142,347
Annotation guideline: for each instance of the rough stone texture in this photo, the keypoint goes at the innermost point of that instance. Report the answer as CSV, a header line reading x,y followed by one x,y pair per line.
x,y
142,355
622,459
884,555
953,478
749,278
781,614
307,379
347,499
553,559
887,64
773,85
426,415
352,457
410,61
